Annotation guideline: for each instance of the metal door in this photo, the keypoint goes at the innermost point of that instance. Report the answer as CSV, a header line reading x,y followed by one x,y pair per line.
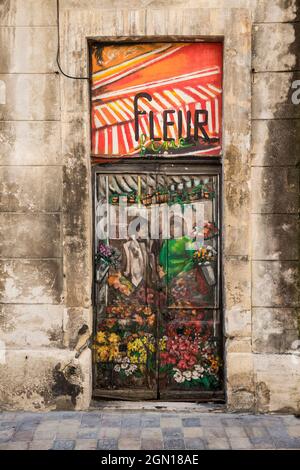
x,y
157,283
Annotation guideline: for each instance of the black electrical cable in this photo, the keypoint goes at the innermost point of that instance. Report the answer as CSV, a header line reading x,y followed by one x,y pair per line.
x,y
58,49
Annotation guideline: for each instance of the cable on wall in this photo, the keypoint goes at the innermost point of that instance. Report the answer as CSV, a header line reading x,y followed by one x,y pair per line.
x,y
58,48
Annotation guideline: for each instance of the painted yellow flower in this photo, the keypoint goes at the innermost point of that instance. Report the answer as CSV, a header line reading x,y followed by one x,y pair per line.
x,y
103,353
113,338
100,338
136,351
113,352
163,344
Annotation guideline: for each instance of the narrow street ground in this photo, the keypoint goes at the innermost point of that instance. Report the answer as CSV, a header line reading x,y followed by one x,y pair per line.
x,y
147,429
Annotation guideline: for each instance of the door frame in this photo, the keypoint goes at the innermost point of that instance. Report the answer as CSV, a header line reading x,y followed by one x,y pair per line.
x,y
157,165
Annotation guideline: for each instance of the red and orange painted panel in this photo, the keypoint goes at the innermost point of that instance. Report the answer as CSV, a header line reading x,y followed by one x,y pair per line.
x,y
156,100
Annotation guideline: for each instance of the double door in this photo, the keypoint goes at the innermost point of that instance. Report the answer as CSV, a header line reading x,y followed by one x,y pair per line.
x,y
157,324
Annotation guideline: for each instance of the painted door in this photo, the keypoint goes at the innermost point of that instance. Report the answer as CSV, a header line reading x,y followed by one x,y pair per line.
x,y
157,288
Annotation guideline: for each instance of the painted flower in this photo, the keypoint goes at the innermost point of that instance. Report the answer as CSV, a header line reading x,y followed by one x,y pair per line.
x,y
101,337
178,377
113,338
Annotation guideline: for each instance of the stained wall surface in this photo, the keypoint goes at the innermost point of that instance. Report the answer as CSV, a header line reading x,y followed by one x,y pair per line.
x,y
46,209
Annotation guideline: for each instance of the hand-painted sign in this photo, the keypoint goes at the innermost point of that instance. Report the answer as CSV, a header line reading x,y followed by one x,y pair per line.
x,y
156,100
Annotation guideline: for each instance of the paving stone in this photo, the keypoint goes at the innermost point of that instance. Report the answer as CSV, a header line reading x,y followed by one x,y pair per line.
x,y
111,421
287,443
89,420
166,422
212,432
70,415
6,435
107,444
109,433
211,421
174,443
8,425
172,432
294,431
131,432
87,433
41,445
63,444
67,432
191,422
86,444
28,425
151,433
131,421
21,445
193,432
152,444
129,444
194,443
235,431
262,443
26,435
150,421
218,443
257,431
240,443
44,435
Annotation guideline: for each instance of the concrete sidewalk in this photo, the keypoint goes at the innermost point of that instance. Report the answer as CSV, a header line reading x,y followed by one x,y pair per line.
x,y
111,428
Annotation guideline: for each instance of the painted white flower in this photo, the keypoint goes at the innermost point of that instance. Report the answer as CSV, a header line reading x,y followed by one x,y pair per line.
x,y
117,368
199,369
187,374
178,377
195,374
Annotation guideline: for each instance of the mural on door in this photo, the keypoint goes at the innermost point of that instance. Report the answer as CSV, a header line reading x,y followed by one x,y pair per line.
x,y
157,284
156,100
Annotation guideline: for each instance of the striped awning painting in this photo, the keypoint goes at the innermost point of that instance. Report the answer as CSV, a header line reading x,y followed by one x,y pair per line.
x,y
181,78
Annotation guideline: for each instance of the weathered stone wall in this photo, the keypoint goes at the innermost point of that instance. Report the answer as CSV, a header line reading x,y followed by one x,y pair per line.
x,y
45,207
275,208
40,315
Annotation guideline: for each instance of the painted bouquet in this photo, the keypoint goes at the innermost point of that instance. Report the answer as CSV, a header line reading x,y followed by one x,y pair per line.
x,y
108,254
190,359
204,254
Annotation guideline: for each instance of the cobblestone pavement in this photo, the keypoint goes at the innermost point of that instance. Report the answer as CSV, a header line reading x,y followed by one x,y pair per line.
x,y
147,430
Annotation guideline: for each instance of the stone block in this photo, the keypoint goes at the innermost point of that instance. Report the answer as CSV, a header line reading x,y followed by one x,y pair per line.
x,y
31,97
238,345
275,142
30,189
275,330
31,326
31,13
30,143
272,95
237,322
275,190
28,49
277,379
48,379
276,11
237,278
239,372
275,237
74,319
275,283
76,217
31,281
281,55
30,235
